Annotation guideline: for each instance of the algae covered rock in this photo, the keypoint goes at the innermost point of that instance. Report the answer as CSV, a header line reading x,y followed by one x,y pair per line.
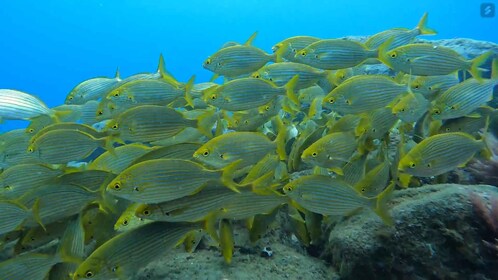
x,y
438,234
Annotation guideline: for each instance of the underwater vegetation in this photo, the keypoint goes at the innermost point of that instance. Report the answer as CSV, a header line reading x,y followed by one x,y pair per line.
x,y
129,168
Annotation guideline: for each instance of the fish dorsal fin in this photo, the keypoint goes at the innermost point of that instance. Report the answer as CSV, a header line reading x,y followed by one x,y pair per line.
x,y
249,41
117,75
161,67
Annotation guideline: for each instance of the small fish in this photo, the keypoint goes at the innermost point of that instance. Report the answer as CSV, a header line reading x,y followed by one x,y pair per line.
x,y
376,124
260,224
147,123
286,49
92,180
233,95
310,133
333,197
429,60
249,147
281,73
20,178
332,150
160,180
120,158
439,154
374,181
28,266
341,75
237,60
432,86
471,125
192,208
355,169
226,240
38,236
401,36
252,119
70,126
363,93
465,97
120,256
92,89
411,107
75,144
18,105
333,54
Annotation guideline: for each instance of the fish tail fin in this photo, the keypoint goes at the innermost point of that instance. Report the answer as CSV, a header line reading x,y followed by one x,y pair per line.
x,y
36,213
279,54
381,208
290,88
494,70
59,115
423,28
476,62
315,108
206,121
210,225
214,77
383,49
280,140
188,89
227,176
108,143
161,67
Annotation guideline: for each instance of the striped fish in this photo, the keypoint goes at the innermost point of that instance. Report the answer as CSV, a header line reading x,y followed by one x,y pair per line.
x,y
439,154
92,89
465,97
363,93
429,60
132,249
190,208
411,107
333,54
63,145
332,150
68,126
333,197
431,86
177,151
28,266
281,73
401,36
147,123
237,59
129,220
234,96
250,147
18,105
376,124
20,178
159,180
286,49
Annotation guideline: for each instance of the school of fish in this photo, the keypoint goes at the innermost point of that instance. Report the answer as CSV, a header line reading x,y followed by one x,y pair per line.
x,y
128,168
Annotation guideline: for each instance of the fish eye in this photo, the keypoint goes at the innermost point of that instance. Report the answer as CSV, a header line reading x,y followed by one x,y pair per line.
x,y
348,102
213,97
219,63
429,165
267,108
363,190
115,126
302,53
208,61
402,109
453,107
256,76
116,94
89,274
393,55
448,129
70,98
30,130
331,100
416,87
246,122
288,189
117,186
100,113
412,165
314,154
146,212
430,88
125,222
30,150
437,111
205,153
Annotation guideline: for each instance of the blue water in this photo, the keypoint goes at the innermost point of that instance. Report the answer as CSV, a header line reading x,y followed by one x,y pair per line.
x,y
47,47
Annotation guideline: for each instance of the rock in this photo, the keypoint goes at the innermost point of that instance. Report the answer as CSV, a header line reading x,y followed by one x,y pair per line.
x,y
437,235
